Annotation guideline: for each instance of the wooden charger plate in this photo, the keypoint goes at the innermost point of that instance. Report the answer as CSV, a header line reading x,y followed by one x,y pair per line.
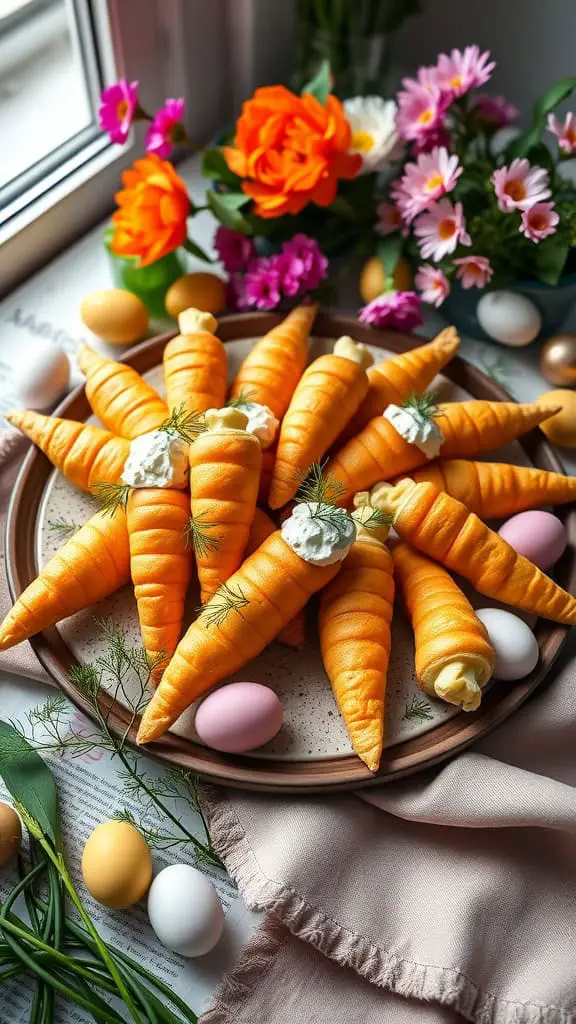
x,y
343,771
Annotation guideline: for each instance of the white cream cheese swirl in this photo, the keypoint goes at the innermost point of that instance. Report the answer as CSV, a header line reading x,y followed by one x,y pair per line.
x,y
261,421
318,537
416,428
157,459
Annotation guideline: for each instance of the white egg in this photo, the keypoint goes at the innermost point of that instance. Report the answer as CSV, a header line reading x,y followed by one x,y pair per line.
x,y
42,376
509,317
514,643
184,910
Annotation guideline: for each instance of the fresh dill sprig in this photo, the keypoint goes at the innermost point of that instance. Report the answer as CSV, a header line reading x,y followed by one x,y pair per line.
x,y
425,404
316,486
62,528
417,710
224,601
111,497
197,537
377,518
242,398
186,425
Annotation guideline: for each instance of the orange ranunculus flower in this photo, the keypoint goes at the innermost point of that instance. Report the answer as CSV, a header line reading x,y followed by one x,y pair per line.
x,y
292,149
154,205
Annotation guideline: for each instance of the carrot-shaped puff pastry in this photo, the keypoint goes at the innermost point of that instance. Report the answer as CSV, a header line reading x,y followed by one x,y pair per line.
x,y
119,396
454,659
294,634
84,455
496,489
442,528
326,396
195,365
268,459
354,625
249,611
160,566
225,465
406,437
91,565
403,375
274,366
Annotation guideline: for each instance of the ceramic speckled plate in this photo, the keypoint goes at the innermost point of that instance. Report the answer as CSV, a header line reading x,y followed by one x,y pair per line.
x,y
312,749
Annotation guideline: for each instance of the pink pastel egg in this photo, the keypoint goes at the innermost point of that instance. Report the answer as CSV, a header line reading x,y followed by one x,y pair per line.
x,y
239,717
539,536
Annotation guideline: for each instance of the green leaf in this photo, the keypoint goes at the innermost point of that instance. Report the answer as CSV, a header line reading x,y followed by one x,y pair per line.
x,y
226,208
389,250
550,260
29,781
544,106
321,84
215,168
196,251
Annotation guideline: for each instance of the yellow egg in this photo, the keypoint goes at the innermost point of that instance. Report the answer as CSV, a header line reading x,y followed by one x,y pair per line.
x,y
561,428
373,280
116,865
204,291
115,315
10,833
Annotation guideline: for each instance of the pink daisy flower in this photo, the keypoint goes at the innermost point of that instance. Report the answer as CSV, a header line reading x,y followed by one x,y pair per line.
x,y
565,132
425,79
420,112
463,70
396,310
539,221
439,137
118,105
473,271
520,186
432,176
432,283
389,219
494,111
234,249
166,130
440,229
301,249
261,286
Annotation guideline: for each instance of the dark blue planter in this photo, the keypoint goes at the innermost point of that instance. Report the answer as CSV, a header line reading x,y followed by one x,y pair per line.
x,y
553,302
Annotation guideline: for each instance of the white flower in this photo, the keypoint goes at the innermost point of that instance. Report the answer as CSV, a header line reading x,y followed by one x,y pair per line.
x,y
374,136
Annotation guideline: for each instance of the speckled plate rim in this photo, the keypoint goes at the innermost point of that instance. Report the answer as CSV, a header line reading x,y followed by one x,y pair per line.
x,y
342,771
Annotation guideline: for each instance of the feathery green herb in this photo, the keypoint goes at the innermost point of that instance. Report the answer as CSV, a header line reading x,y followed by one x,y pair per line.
x,y
417,710
316,486
111,497
243,398
197,536
426,404
225,601
62,528
186,425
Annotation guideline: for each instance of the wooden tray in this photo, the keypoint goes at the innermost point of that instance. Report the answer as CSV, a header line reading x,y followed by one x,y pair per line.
x,y
338,772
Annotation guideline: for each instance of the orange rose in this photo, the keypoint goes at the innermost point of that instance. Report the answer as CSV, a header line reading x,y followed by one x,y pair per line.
x,y
154,205
293,149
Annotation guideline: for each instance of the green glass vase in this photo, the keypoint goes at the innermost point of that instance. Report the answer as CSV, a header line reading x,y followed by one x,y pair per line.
x,y
149,283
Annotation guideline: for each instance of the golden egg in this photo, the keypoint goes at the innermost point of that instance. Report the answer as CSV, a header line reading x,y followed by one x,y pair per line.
x,y
10,833
558,360
561,428
373,280
203,291
116,865
115,315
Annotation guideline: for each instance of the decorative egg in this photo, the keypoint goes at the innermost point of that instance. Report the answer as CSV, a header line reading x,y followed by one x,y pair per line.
x,y
10,833
239,717
539,536
116,865
558,360
42,376
373,279
203,291
508,317
115,315
514,643
185,911
561,428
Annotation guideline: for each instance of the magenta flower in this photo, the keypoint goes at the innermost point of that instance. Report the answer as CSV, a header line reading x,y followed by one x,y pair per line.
x,y
432,283
473,271
463,70
389,219
565,132
396,310
166,129
420,112
495,111
261,286
539,221
440,229
520,186
234,249
438,137
291,272
118,105
306,250
432,176
426,78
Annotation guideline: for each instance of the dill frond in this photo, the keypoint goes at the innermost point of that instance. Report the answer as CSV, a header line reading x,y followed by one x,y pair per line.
x,y
197,537
417,710
62,528
425,404
243,398
316,486
224,601
186,425
111,497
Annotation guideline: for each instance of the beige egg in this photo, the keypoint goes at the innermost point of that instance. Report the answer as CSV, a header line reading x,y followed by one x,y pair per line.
x,y
10,833
561,428
116,865
203,291
115,315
